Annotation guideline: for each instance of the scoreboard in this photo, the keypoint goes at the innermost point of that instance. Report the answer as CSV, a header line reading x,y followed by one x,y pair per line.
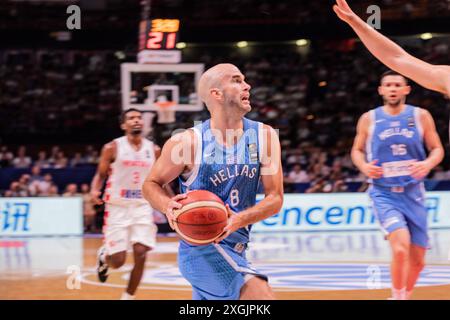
x,y
158,34
157,41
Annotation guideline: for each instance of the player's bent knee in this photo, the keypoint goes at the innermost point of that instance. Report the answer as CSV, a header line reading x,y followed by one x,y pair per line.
x,y
400,252
118,259
418,264
400,248
140,250
257,289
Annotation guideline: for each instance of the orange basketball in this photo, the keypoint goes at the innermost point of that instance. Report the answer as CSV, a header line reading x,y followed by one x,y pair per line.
x,y
202,218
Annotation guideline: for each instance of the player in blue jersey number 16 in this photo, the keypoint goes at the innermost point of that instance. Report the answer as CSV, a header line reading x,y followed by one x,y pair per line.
x,y
389,150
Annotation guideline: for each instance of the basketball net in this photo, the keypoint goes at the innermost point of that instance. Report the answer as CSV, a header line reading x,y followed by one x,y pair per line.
x,y
166,112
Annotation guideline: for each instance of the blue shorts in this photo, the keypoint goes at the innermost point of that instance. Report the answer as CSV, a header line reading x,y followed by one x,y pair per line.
x,y
404,207
215,271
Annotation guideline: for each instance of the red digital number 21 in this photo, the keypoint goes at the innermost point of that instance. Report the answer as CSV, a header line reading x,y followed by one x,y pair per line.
x,y
155,40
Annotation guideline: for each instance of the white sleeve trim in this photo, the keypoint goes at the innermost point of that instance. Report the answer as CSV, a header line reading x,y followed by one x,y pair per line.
x,y
260,140
192,175
418,121
370,132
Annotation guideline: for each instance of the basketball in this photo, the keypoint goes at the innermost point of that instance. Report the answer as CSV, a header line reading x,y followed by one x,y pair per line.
x,y
202,218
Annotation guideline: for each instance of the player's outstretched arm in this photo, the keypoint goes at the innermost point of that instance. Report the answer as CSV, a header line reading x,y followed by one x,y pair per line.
x,y
433,77
272,180
107,156
358,152
176,153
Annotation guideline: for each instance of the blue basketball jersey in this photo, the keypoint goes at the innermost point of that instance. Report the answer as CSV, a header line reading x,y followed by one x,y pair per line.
x,y
396,142
231,173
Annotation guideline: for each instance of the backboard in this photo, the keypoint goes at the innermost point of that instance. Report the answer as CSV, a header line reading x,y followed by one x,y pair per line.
x,y
143,85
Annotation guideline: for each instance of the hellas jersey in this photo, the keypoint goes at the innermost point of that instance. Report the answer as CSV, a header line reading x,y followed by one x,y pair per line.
x,y
396,142
231,173
128,172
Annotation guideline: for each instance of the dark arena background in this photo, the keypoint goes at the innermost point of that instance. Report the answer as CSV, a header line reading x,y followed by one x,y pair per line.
x,y
69,68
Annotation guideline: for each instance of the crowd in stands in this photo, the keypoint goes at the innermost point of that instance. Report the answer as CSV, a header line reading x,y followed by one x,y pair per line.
x,y
313,97
55,158
120,14
39,184
58,93
36,184
218,12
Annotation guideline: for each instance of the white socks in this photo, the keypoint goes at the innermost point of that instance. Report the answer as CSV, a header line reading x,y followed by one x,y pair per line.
x,y
103,258
126,296
408,295
102,254
399,294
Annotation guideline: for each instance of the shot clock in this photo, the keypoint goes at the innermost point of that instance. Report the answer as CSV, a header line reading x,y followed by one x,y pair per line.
x,y
157,41
158,34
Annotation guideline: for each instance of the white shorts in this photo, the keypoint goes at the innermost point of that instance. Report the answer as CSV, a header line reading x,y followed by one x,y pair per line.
x,y
126,225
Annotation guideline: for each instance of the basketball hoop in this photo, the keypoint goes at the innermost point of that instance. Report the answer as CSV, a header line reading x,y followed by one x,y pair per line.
x,y
166,112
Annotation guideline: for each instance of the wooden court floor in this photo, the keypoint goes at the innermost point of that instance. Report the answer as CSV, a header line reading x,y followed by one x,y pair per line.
x,y
51,273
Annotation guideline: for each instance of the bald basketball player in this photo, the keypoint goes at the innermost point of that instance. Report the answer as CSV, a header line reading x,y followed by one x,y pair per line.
x,y
227,155
433,77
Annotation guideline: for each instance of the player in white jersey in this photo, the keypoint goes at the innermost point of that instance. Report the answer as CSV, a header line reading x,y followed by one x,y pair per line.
x,y
128,220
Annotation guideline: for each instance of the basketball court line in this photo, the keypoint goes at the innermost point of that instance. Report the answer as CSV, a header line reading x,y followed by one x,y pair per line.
x,y
295,271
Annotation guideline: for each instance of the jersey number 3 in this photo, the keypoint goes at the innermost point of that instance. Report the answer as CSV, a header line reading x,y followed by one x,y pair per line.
x,y
136,177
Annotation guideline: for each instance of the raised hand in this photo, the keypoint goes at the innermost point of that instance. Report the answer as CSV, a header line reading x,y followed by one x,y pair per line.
x,y
344,12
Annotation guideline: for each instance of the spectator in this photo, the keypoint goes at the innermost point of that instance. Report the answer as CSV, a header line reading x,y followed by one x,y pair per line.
x,y
6,157
52,191
61,161
320,169
340,186
297,175
22,160
327,186
54,155
93,157
295,157
77,160
43,188
8,194
42,160
35,180
317,185
15,190
24,185
71,191
88,154
36,174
